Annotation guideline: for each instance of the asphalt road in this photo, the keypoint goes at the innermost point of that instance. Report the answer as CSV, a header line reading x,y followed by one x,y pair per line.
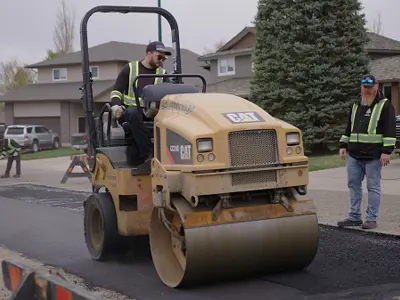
x,y
47,224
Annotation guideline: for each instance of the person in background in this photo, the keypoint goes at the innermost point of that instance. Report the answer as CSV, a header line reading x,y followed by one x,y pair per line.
x,y
368,140
12,150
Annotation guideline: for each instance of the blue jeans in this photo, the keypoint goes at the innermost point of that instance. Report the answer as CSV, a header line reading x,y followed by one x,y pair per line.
x,y
356,170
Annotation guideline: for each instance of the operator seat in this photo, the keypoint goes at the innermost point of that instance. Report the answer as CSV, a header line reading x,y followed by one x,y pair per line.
x,y
152,95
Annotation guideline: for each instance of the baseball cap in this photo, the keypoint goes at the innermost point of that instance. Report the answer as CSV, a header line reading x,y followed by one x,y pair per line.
x,y
157,46
368,80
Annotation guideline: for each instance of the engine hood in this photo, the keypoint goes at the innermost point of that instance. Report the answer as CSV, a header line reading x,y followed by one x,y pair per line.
x,y
199,114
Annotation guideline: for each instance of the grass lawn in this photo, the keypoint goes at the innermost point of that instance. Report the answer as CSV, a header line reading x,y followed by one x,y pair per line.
x,y
323,162
63,151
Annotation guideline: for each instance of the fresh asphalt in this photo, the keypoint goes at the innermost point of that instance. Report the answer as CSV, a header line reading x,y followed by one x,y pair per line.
x,y
47,224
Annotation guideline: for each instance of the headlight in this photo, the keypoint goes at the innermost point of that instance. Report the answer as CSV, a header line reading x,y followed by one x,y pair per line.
x,y
292,138
204,145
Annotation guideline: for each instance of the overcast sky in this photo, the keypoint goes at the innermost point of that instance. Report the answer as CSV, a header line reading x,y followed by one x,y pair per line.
x,y
27,26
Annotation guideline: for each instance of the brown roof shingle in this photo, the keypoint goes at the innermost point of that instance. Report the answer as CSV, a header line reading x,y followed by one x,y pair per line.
x,y
387,68
237,86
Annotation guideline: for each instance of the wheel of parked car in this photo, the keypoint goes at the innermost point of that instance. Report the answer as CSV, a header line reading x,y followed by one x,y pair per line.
x,y
56,143
35,146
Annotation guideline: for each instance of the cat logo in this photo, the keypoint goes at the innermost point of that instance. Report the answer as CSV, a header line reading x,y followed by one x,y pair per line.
x,y
186,152
243,117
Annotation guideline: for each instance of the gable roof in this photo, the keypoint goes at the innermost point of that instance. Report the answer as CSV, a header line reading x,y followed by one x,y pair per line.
x,y
377,43
111,52
124,52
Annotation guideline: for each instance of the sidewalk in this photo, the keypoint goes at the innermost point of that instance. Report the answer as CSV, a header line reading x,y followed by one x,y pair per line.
x,y
47,171
328,189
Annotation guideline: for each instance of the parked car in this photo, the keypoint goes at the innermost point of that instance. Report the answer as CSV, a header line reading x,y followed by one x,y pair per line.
x,y
33,137
397,147
79,141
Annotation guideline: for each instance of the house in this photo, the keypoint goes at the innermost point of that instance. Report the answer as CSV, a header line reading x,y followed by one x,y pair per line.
x,y
231,65
54,101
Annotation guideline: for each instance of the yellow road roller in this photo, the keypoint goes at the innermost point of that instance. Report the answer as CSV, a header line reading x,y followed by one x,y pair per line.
x,y
225,194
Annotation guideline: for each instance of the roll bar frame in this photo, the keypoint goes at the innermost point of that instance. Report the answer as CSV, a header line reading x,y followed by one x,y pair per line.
x,y
87,91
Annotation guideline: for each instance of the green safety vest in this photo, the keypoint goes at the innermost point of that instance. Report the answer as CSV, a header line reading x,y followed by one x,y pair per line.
x,y
129,99
371,136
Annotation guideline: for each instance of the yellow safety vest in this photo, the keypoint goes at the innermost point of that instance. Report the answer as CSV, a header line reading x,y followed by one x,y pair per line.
x,y
10,148
371,136
129,99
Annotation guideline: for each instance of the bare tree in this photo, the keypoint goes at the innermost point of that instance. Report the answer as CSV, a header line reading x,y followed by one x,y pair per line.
x,y
376,25
15,75
64,31
217,45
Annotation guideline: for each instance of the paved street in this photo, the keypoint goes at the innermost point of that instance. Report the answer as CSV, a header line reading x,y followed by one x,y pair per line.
x,y
350,264
50,220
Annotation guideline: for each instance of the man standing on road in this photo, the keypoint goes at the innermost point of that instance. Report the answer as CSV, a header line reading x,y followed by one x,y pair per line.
x,y
369,140
12,150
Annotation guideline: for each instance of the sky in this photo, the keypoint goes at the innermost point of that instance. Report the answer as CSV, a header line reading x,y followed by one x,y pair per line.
x,y
202,24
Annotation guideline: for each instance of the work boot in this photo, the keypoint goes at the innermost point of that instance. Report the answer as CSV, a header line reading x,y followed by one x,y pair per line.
x,y
369,225
17,176
5,176
347,222
148,158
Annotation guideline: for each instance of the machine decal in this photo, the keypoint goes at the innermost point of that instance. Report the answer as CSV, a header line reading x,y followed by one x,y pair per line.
x,y
243,117
179,149
176,106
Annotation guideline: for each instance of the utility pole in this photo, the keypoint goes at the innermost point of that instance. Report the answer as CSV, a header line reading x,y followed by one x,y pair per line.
x,y
159,23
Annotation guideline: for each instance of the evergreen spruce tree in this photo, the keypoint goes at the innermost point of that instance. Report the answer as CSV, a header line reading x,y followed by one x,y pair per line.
x,y
308,59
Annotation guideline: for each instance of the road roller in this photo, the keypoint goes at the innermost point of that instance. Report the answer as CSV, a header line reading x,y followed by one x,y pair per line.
x,y
225,195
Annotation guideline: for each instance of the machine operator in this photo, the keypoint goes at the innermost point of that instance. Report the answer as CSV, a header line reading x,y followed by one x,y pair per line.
x,y
123,101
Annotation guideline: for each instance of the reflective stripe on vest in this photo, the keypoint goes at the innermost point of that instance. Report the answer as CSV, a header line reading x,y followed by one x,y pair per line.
x,y
11,147
129,99
371,136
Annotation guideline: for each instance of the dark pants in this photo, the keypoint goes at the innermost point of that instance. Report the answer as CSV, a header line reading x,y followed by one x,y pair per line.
x,y
140,138
10,162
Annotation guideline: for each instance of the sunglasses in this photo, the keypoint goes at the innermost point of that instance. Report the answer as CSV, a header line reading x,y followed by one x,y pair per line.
x,y
161,57
368,81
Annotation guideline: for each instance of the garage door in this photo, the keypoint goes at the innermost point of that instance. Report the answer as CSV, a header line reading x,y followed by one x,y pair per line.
x,y
52,123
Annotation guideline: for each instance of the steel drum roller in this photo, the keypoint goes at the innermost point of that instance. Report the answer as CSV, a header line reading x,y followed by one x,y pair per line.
x,y
232,249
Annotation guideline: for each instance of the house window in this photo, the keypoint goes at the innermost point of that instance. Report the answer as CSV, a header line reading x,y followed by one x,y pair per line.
x,y
387,90
81,124
60,74
95,72
226,66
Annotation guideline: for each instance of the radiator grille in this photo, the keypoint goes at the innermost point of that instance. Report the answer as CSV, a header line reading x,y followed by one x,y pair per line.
x,y
253,148
254,178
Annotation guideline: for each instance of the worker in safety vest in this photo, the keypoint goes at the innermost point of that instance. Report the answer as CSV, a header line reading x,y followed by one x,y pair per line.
x,y
123,101
369,140
12,150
